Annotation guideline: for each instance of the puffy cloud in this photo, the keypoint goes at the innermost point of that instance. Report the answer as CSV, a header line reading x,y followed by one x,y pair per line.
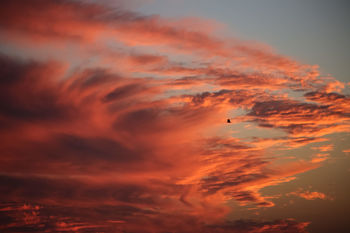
x,y
310,195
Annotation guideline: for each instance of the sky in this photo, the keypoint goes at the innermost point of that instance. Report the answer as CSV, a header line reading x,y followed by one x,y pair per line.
x,y
114,116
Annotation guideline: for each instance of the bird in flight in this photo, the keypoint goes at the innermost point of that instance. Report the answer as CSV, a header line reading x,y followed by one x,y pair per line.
x,y
228,121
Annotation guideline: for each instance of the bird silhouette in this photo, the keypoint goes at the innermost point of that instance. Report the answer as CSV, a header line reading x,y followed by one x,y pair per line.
x,y
228,121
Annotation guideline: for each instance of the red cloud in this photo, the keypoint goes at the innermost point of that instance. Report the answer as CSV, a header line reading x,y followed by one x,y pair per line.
x,y
299,119
139,143
72,21
105,140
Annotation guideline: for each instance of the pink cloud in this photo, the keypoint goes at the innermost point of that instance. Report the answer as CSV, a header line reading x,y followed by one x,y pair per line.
x,y
137,139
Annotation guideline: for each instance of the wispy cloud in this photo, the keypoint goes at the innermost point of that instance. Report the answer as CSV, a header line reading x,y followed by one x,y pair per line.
x,y
134,140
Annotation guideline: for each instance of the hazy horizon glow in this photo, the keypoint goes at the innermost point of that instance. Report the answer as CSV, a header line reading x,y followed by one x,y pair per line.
x,y
114,120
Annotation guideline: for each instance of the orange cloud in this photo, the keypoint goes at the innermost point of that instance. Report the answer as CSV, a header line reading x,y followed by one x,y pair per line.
x,y
135,139
308,195
93,23
107,140
298,119
324,148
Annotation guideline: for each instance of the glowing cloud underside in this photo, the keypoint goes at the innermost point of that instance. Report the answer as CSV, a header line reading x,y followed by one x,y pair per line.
x,y
135,139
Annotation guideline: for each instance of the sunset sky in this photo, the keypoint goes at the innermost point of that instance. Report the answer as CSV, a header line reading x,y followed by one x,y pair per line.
x,y
113,116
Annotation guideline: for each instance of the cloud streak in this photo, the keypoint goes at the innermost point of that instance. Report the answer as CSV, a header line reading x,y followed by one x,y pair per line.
x,y
135,140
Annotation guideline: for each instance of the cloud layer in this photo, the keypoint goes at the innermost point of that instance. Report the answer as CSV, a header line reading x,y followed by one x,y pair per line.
x,y
134,139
